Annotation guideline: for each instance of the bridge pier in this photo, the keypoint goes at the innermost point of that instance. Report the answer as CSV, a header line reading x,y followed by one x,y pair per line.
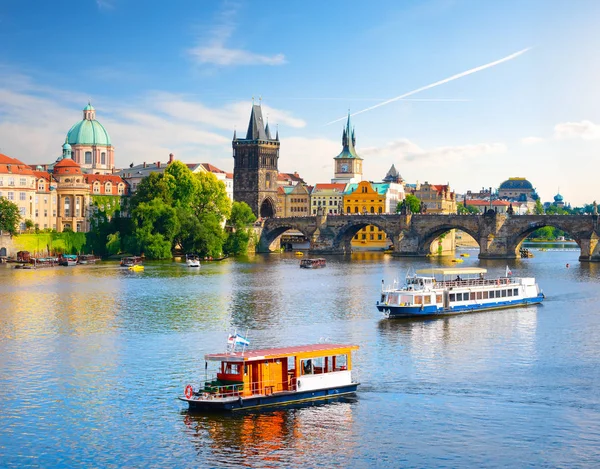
x,y
590,249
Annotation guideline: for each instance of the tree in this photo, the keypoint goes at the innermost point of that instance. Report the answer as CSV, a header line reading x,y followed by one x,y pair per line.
x,y
211,196
9,216
539,208
469,209
413,203
239,221
29,224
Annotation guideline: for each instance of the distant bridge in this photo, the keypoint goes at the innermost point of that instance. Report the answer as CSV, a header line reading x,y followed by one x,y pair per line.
x,y
499,235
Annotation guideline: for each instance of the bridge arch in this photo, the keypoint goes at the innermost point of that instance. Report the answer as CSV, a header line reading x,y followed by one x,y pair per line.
x,y
427,239
345,235
270,234
514,242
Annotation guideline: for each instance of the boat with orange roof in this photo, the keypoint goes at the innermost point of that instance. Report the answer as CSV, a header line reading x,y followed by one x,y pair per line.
x,y
253,379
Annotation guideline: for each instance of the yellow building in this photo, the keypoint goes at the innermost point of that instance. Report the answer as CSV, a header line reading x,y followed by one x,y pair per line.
x,y
436,198
367,198
329,197
18,185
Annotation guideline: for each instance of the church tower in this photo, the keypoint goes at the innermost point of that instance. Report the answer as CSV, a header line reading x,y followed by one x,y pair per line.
x,y
255,166
348,165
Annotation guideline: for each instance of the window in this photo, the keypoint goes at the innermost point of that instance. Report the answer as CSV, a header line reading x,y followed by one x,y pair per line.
x,y
347,209
11,196
485,295
372,236
306,367
418,300
438,298
121,189
372,228
96,187
452,297
515,291
379,237
67,207
11,181
473,296
427,299
22,211
510,292
88,157
108,188
103,158
479,295
364,236
45,213
355,209
503,293
22,181
22,196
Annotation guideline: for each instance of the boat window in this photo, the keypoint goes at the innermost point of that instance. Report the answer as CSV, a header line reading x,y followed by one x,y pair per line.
x,y
340,362
485,295
438,298
492,293
479,295
231,368
509,292
516,291
307,367
472,295
406,299
427,299
418,300
318,365
452,297
392,298
503,293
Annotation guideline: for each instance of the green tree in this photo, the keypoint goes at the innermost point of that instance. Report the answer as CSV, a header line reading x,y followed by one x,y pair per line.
x,y
413,203
469,209
211,196
9,216
539,208
239,224
29,224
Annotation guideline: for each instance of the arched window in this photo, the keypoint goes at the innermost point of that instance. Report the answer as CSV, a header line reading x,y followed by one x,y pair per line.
x,y
347,209
268,181
67,206
356,209
108,188
121,187
103,158
96,187
88,157
380,210
372,209
77,207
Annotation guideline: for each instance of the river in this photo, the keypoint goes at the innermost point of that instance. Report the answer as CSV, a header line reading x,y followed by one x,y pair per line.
x,y
92,359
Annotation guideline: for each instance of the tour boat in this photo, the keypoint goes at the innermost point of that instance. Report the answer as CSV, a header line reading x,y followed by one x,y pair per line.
x,y
313,263
192,260
443,291
87,259
131,261
253,379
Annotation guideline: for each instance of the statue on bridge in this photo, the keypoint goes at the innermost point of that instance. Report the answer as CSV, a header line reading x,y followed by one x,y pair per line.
x,y
510,210
405,208
595,208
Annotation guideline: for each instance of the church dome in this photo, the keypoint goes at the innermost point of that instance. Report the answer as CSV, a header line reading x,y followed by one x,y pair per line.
x,y
558,198
67,166
88,131
516,183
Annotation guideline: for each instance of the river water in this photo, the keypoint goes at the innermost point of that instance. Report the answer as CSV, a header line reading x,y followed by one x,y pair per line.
x,y
92,359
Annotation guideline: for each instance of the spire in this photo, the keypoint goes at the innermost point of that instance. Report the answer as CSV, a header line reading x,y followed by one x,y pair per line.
x,y
267,130
277,134
234,134
256,126
348,141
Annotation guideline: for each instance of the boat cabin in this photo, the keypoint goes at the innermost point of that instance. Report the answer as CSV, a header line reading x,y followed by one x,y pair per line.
x,y
313,263
269,371
131,261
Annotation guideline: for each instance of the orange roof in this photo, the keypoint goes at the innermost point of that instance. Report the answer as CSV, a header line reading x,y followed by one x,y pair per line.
x,y
211,168
43,175
229,175
67,166
16,166
103,178
270,353
280,190
326,187
487,202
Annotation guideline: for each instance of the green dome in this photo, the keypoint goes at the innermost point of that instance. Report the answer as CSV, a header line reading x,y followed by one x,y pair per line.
x,y
66,146
88,132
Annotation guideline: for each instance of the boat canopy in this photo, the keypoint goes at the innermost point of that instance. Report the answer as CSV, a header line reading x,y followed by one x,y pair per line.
x,y
274,353
453,271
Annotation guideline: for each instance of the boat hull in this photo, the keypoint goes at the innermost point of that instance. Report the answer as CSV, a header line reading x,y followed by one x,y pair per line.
x,y
272,400
434,310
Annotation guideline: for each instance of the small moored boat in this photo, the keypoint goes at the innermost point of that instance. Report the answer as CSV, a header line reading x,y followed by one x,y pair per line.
x,y
456,290
313,263
131,261
67,260
87,259
252,379
192,260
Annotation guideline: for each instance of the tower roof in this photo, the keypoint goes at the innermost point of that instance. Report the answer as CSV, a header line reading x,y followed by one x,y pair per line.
x,y
88,131
256,126
348,142
392,175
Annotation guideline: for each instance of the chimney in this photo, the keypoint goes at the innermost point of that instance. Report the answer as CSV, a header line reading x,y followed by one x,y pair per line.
x,y
170,158
296,173
158,164
144,164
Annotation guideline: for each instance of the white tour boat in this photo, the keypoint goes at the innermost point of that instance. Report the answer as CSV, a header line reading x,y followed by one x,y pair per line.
x,y
442,291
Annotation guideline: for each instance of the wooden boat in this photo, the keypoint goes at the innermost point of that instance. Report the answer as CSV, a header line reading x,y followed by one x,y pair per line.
x,y
131,261
455,290
254,379
192,260
317,263
67,260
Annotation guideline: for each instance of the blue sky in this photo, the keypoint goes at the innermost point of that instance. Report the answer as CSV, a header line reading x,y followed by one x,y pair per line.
x,y
179,76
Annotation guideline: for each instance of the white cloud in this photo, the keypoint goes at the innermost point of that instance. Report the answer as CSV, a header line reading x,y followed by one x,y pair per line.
x,y
531,140
585,130
214,50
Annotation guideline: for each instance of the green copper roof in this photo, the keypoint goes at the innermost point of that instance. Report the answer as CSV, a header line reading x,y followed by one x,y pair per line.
x,y
88,132
380,188
89,107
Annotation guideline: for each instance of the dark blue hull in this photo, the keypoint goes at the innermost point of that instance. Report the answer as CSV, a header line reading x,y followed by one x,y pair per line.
x,y
434,310
273,400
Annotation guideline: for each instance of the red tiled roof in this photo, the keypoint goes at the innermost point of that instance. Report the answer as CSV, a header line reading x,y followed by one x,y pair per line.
x,y
325,187
16,166
280,190
211,168
229,175
487,202
42,175
262,354
102,178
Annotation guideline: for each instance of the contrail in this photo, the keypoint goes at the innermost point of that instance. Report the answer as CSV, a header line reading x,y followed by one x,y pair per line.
x,y
437,83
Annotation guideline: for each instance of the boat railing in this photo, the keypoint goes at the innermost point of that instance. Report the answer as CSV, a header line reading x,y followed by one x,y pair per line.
x,y
443,284
212,390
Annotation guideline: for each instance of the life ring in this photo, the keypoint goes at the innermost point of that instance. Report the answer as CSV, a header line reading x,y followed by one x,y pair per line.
x,y
189,391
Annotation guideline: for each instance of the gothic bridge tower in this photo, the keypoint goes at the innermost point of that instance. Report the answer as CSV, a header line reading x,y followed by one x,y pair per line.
x,y
255,166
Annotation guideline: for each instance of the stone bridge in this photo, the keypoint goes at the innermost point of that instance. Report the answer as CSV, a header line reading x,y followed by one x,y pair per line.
x,y
499,236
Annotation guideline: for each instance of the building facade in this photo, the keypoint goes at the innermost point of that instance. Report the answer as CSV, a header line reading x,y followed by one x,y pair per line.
x,y
436,198
255,167
295,201
329,197
18,185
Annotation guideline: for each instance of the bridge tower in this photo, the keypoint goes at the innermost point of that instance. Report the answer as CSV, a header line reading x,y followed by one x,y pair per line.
x,y
348,165
255,167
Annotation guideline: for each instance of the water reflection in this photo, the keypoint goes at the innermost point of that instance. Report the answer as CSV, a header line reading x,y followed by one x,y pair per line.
x,y
279,438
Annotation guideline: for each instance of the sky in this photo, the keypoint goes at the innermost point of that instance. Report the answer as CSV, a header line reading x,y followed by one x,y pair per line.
x,y
180,76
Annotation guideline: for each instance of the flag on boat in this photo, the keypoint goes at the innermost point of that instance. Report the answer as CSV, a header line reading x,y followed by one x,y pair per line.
x,y
236,339
508,272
